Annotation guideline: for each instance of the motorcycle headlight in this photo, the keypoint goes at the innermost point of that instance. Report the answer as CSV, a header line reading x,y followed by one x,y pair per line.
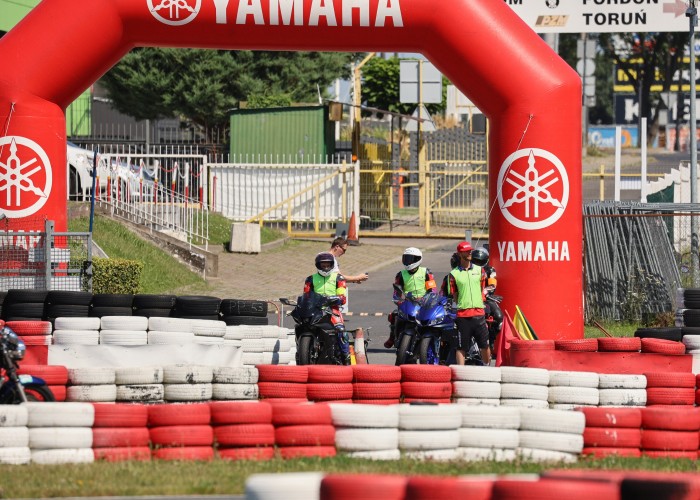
x,y
436,320
19,352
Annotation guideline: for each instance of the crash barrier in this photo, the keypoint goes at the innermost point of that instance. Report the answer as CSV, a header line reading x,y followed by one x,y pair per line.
x,y
569,484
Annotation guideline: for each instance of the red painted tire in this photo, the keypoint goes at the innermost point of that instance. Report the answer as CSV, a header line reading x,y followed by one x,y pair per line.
x,y
430,390
328,392
577,345
599,452
690,455
610,437
425,373
179,414
427,400
59,392
383,402
233,412
662,346
30,328
182,435
376,373
51,374
430,488
245,435
619,344
612,417
364,390
305,435
669,419
285,401
551,489
304,414
199,453
259,453
670,440
291,452
532,345
122,454
35,340
281,389
670,379
283,373
120,415
120,437
670,396
328,374
354,486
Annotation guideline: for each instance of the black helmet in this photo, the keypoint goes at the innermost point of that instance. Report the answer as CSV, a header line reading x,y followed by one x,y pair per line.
x,y
320,259
480,256
454,260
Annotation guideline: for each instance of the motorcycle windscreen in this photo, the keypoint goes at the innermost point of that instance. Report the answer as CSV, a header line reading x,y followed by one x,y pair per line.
x,y
432,309
309,307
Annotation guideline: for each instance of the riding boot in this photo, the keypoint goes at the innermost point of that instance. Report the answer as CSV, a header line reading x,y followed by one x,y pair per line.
x,y
389,343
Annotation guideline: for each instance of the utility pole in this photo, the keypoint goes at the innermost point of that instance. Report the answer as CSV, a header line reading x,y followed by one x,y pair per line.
x,y
357,104
692,13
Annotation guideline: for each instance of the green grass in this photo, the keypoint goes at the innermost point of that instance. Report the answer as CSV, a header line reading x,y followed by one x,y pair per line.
x,y
228,477
220,231
615,329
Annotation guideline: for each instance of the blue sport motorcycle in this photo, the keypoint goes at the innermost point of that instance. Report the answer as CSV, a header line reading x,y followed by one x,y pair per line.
x,y
406,336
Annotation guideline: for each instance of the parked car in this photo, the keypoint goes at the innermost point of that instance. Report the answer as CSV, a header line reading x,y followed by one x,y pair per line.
x,y
79,169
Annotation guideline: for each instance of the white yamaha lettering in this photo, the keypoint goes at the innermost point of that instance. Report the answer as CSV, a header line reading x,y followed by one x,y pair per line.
x,y
533,251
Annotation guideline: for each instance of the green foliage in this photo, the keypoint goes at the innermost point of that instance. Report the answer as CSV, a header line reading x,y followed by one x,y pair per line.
x,y
261,101
116,275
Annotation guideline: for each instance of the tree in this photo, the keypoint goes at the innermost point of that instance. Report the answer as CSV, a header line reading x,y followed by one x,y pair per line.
x,y
204,85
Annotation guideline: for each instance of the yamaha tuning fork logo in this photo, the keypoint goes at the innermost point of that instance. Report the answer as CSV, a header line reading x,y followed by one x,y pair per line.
x,y
174,12
25,177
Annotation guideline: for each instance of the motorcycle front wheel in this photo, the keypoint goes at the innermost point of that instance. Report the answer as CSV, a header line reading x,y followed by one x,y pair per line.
x,y
426,352
308,354
402,350
33,392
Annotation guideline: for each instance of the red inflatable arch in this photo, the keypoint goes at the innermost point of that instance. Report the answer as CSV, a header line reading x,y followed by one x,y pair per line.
x,y
531,96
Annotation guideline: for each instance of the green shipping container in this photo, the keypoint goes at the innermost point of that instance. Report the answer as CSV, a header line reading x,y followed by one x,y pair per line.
x,y
296,134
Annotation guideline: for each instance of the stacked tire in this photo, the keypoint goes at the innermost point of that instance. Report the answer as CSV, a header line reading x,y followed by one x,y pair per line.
x,y
67,304
376,384
92,384
122,330
55,377
476,385
21,305
76,331
612,431
524,387
551,435
175,331
569,390
243,312
622,390
279,383
61,433
243,431
303,430
181,431
33,332
208,332
329,383
197,307
670,432
14,435
367,431
426,383
151,306
187,383
120,432
429,432
139,384
231,383
670,389
488,433
111,304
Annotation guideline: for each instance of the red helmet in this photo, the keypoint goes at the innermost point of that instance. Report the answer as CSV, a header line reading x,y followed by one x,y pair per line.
x,y
465,246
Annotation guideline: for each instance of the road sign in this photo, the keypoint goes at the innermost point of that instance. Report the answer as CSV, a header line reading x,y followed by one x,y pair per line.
x,y
585,67
410,82
601,16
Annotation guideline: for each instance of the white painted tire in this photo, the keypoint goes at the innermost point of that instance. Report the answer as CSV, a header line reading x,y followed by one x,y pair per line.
x,y
522,375
230,392
162,337
501,417
252,358
349,439
619,381
53,438
428,440
476,373
208,328
485,454
105,393
276,358
124,337
94,375
566,422
525,403
447,455
187,374
124,323
139,375
365,416
538,455
553,441
202,340
489,438
76,324
477,401
65,456
290,486
253,345
270,331
60,414
181,325
13,415
622,397
252,332
524,391
233,343
574,395
14,437
76,337
188,392
477,390
235,375
234,332
567,407
146,393
573,379
691,342
429,417
15,456
377,455
276,345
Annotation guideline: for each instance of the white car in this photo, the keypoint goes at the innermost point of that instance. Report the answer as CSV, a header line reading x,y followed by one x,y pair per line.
x,y
79,170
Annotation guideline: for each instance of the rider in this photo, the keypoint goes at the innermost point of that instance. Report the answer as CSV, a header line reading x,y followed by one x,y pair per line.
x,y
414,279
464,286
331,284
480,257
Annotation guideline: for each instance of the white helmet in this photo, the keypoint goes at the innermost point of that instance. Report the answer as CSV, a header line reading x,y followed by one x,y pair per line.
x,y
412,257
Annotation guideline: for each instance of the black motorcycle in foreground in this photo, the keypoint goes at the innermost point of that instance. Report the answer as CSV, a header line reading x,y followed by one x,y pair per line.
x,y
316,337
14,388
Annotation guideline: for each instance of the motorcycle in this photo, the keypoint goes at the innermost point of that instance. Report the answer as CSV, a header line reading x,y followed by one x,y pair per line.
x,y
316,337
14,388
493,325
407,310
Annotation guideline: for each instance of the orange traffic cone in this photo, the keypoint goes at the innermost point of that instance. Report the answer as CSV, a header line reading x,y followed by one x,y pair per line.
x,y
352,231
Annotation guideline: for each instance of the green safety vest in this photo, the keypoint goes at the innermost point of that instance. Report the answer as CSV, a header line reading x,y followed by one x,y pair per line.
x,y
468,288
325,285
414,283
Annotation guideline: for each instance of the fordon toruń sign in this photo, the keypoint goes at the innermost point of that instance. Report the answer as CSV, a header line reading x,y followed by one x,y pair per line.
x,y
601,16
